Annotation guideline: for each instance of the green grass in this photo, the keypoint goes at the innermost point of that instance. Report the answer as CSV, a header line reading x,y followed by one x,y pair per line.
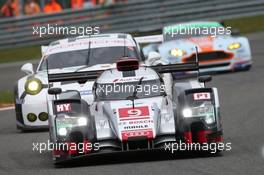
x,y
6,96
245,24
20,54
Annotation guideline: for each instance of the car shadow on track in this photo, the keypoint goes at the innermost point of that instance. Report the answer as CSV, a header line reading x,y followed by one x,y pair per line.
x,y
33,131
133,157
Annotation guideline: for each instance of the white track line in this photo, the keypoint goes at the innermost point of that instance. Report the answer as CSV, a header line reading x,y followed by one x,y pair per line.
x,y
7,108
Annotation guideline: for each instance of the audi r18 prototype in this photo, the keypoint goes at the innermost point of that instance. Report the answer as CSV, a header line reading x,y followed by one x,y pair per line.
x,y
78,54
131,111
218,50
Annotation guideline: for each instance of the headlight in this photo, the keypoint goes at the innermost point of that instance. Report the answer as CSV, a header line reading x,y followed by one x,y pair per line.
x,y
82,121
67,123
206,110
209,119
177,52
234,46
62,131
33,86
187,112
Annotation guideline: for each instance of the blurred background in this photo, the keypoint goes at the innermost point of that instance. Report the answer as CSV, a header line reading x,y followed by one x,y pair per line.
x,y
11,8
139,17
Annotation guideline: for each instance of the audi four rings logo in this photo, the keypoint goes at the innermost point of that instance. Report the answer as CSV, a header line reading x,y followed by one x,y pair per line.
x,y
148,133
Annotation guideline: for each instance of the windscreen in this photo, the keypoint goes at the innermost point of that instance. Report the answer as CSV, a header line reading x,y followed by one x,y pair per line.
x,y
105,55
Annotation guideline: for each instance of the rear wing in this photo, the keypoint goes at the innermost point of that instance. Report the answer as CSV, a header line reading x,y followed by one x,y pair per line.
x,y
149,39
92,75
75,76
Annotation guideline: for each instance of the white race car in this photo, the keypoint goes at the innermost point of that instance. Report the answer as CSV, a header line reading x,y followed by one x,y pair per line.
x,y
98,52
131,111
218,50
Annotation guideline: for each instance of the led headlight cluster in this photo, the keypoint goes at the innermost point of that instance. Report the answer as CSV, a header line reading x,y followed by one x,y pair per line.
x,y
177,52
64,124
206,110
33,86
234,46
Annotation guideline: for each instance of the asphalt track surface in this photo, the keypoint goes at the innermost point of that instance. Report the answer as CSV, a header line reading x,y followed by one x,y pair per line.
x,y
241,98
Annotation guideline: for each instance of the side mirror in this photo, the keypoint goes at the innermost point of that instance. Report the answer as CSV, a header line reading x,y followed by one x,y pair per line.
x,y
27,68
152,57
205,79
54,91
235,32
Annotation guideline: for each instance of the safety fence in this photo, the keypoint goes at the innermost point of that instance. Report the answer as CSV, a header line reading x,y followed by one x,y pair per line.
x,y
133,16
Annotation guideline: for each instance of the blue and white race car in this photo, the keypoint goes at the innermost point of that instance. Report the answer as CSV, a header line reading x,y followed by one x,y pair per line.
x,y
217,51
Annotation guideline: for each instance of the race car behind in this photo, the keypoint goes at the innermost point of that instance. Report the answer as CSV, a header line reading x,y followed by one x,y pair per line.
x,y
78,54
218,50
